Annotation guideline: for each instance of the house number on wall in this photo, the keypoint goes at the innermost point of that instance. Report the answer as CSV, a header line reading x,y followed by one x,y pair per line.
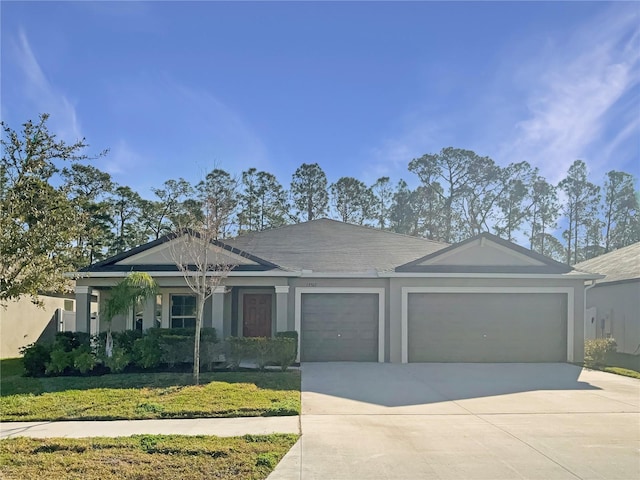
x,y
312,284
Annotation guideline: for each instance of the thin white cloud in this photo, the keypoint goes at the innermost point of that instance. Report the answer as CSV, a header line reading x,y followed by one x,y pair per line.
x,y
571,102
45,97
122,159
393,155
232,138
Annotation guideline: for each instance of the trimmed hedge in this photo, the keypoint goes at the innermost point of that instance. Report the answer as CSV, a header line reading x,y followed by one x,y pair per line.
x,y
280,351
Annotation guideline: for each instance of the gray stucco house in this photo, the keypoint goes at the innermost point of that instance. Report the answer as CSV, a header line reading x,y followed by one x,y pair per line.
x,y
361,294
613,304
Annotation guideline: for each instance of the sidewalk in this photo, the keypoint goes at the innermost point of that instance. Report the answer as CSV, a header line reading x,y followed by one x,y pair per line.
x,y
221,427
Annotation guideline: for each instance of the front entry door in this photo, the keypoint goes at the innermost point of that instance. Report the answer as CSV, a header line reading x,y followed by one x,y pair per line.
x,y
256,315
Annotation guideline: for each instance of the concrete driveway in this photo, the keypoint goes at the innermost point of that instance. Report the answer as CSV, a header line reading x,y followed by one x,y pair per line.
x,y
465,421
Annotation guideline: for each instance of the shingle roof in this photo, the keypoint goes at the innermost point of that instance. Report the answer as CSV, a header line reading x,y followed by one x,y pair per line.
x,y
620,265
325,245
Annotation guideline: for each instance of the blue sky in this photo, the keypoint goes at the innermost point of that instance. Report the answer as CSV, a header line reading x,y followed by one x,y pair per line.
x,y
176,88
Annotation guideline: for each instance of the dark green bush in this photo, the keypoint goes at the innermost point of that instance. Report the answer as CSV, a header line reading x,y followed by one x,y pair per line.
x,y
68,341
176,349
146,352
77,352
60,362
127,339
35,358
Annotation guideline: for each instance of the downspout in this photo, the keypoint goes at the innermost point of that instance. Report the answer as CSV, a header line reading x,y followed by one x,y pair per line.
x,y
584,310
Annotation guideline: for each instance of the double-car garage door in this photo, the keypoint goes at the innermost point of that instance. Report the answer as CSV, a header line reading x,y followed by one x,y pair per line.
x,y
487,327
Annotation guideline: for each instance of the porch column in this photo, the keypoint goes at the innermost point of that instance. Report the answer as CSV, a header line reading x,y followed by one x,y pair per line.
x,y
217,311
149,314
83,309
282,303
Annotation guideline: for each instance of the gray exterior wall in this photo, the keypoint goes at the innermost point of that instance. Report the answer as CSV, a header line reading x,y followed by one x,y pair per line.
x,y
392,301
618,305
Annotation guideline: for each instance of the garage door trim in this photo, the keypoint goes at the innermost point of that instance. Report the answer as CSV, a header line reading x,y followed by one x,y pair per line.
x,y
379,291
404,327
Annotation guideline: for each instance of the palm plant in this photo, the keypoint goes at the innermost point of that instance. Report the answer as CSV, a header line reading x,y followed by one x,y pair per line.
x,y
132,290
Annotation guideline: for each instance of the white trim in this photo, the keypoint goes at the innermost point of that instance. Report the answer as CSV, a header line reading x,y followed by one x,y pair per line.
x,y
82,289
299,291
282,288
562,276
404,324
220,289
386,274
309,274
260,273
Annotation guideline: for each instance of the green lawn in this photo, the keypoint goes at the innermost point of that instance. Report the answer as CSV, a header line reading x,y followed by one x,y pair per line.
x,y
143,457
146,395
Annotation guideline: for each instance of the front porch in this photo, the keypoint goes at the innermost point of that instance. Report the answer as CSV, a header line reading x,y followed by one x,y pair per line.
x,y
238,309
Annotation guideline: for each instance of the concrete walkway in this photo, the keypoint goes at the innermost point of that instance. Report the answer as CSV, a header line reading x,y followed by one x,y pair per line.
x,y
221,427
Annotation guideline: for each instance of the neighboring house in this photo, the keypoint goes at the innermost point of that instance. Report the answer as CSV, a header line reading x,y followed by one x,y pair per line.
x,y
362,294
613,304
23,322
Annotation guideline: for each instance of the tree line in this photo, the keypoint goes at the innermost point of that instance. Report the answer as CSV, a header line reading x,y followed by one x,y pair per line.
x,y
58,208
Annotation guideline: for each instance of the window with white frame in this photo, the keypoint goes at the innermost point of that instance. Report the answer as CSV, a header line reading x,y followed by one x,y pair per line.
x,y
183,311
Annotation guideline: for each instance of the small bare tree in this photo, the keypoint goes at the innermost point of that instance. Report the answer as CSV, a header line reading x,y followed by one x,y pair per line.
x,y
204,261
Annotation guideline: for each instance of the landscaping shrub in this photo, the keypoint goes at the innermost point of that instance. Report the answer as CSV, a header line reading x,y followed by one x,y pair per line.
x,y
146,352
79,353
290,334
60,361
35,358
118,361
237,350
176,349
284,351
83,361
68,341
596,350
279,351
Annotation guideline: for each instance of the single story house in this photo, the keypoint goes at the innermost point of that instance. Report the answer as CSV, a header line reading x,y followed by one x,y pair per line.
x,y
613,304
361,294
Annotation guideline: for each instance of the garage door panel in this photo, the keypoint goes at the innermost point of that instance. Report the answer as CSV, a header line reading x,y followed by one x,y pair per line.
x,y
487,327
339,327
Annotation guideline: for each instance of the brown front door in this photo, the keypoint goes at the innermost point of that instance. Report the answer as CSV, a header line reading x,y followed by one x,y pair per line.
x,y
256,315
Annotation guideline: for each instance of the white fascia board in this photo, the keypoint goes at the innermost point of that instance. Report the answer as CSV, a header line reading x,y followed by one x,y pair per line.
x,y
80,275
488,275
371,274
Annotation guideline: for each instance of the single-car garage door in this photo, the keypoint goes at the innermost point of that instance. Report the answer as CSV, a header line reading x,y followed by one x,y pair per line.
x,y
487,327
339,327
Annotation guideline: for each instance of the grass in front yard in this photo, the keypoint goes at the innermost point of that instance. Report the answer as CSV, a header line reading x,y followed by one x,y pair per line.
x,y
146,395
622,371
144,457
